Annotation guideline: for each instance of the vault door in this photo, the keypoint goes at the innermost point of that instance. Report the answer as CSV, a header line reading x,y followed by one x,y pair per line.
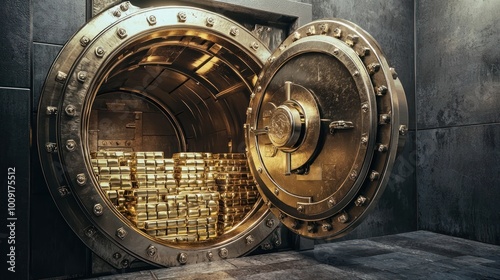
x,y
141,136
324,124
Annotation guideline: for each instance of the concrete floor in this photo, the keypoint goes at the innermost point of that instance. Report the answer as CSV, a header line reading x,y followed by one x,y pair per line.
x,y
414,255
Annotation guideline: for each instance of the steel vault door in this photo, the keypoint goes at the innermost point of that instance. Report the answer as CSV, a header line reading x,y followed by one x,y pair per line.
x,y
321,123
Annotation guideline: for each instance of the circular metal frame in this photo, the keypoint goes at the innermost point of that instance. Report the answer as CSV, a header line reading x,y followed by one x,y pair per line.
x,y
71,87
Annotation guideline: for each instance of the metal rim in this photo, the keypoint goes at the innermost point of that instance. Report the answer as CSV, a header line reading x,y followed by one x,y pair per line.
x,y
70,88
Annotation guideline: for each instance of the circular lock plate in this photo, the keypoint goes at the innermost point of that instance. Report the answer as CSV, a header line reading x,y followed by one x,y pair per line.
x,y
322,128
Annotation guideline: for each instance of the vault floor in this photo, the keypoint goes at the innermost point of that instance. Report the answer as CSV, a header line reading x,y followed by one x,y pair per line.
x,y
413,255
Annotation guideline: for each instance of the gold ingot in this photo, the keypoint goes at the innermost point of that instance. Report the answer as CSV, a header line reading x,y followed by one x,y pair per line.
x,y
171,231
140,207
150,225
193,212
161,232
140,162
141,169
162,215
152,215
114,170
140,224
150,163
104,170
143,216
161,207
192,222
172,214
125,169
181,231
102,162
182,213
104,185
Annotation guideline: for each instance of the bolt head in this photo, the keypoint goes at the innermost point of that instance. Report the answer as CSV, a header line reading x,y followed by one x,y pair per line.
x,y
98,209
121,32
403,130
210,255
374,176
223,253
234,31
81,179
70,110
270,223
249,239
71,145
117,13
151,250
84,41
344,218
182,16
326,227
210,21
121,233
99,51
360,201
152,20
125,263
124,6
300,208
117,255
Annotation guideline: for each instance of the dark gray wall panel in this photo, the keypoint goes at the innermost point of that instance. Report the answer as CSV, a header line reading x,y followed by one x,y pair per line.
x,y
458,70
14,179
15,32
391,23
43,56
458,181
55,21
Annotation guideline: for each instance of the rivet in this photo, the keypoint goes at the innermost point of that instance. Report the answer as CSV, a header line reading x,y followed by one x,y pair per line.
x,y
353,175
324,28
276,191
355,74
384,118
99,51
300,208
121,233
98,209
61,76
117,255
84,41
223,253
382,148
182,258
210,21
117,13
51,147
81,179
81,76
344,218
311,228
331,202
326,227
210,255
249,111
51,110
259,88
352,39
151,250
271,59
403,130
337,33
282,47
234,31
249,240
365,108
121,32
311,30
282,216
70,145
254,46
360,201
296,36
151,20
393,73
364,139
374,176
295,224
70,110
90,231
373,68
381,90
363,52
270,223
125,263
182,16
267,246
124,6
336,51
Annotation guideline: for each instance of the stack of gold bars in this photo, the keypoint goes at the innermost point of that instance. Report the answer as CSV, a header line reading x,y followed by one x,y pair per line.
x,y
189,197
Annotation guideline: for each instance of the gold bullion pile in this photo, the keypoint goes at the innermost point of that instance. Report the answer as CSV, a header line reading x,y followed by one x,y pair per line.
x,y
189,197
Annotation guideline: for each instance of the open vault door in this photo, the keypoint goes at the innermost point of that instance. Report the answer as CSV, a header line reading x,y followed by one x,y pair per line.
x,y
172,135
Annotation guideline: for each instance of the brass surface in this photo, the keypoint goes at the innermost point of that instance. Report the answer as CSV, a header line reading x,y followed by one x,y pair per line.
x,y
326,113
